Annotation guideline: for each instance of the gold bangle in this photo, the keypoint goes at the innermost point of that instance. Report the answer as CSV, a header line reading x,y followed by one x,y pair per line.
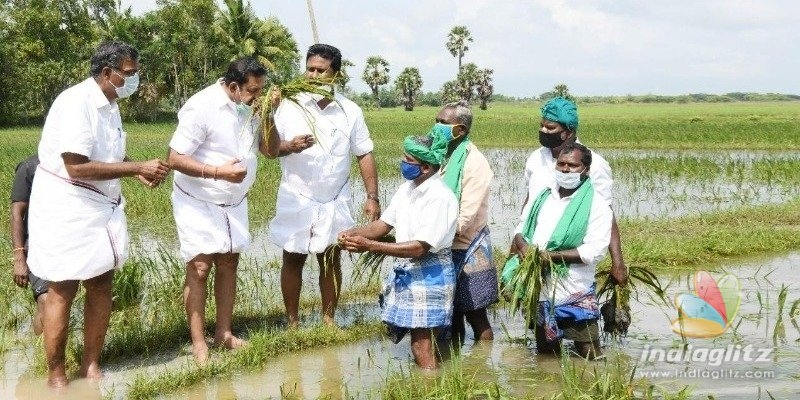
x,y
19,249
203,171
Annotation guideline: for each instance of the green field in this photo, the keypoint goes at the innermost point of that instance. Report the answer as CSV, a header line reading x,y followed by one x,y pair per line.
x,y
155,323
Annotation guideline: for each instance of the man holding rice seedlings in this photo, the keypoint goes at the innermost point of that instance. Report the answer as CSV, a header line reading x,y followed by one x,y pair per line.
x,y
418,294
77,225
319,136
20,198
468,174
558,128
570,225
214,154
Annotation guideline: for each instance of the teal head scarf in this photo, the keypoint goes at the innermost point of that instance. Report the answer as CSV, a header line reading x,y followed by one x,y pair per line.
x,y
563,111
433,155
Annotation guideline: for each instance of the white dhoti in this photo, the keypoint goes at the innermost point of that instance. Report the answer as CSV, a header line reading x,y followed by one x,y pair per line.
x,y
208,228
75,231
303,225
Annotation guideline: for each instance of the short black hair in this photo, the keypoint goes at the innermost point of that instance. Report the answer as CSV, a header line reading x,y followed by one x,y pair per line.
x,y
111,54
240,68
586,154
327,52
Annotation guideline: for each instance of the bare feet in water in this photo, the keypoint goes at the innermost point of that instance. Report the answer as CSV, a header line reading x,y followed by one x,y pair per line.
x,y
57,382
91,372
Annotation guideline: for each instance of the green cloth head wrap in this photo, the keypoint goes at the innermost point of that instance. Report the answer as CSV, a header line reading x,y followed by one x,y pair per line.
x,y
563,111
434,155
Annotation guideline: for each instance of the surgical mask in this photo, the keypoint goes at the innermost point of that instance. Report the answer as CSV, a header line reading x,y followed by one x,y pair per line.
x,y
551,141
443,130
129,87
244,110
568,180
410,171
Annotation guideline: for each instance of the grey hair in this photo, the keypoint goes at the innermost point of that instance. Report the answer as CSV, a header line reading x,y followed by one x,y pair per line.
x,y
463,113
111,54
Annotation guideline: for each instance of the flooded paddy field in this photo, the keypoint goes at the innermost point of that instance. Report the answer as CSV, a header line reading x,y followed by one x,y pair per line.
x,y
148,337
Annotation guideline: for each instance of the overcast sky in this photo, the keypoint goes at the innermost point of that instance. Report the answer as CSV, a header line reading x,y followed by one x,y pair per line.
x,y
598,47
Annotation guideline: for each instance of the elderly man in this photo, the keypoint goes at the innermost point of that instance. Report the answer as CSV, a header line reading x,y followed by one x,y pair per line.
x,y
77,225
20,198
571,225
418,294
318,138
468,174
558,128
213,152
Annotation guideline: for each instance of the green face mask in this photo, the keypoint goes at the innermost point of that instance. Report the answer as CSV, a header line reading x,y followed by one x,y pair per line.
x,y
244,110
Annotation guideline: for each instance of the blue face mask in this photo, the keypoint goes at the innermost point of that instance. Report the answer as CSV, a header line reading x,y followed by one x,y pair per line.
x,y
410,171
443,130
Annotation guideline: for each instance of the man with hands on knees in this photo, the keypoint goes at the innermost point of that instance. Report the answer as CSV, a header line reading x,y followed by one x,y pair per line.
x,y
214,154
418,293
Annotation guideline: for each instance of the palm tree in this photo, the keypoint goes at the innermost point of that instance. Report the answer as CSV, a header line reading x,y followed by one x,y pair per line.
x,y
266,40
484,86
466,81
376,73
408,85
457,41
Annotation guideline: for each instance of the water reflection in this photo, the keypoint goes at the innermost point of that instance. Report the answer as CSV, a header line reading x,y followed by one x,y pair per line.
x,y
360,370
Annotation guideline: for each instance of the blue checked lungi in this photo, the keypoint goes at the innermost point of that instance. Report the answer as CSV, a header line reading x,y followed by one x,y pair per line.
x,y
581,306
476,282
419,293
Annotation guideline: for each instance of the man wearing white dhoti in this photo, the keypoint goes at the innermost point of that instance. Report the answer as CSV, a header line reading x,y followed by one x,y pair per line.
x,y
213,153
314,202
78,231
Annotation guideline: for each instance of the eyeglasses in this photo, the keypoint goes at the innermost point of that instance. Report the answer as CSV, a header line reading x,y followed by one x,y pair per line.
x,y
126,74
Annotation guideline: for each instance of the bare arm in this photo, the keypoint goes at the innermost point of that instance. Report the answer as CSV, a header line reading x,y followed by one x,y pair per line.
x,y
272,147
409,249
80,167
18,230
231,171
369,174
570,256
372,230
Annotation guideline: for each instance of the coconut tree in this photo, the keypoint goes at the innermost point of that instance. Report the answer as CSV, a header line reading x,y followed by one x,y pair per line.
x,y
408,85
376,73
247,35
457,42
484,87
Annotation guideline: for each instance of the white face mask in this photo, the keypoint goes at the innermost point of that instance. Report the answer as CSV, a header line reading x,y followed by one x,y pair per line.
x,y
129,87
568,180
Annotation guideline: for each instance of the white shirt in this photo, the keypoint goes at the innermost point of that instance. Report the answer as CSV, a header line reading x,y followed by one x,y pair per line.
x,y
592,250
83,121
320,172
212,132
540,167
427,213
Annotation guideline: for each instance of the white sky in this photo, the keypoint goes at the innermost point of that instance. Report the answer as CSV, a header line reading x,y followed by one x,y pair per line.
x,y
598,47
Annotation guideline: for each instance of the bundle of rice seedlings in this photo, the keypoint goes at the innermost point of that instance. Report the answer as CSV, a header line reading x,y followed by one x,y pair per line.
x,y
616,310
524,287
368,264
289,91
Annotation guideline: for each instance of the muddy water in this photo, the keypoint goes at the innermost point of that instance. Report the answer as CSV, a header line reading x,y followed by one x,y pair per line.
x,y
360,369
357,369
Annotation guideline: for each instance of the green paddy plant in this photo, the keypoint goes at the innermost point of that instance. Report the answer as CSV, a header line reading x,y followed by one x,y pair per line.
x,y
523,288
367,267
616,310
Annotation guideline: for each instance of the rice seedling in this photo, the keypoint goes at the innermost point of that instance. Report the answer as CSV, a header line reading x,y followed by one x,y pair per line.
x,y
368,265
616,308
524,285
779,332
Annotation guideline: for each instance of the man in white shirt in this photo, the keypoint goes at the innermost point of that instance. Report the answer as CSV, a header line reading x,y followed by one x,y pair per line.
x,y
558,128
418,294
319,137
78,231
214,154
571,225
